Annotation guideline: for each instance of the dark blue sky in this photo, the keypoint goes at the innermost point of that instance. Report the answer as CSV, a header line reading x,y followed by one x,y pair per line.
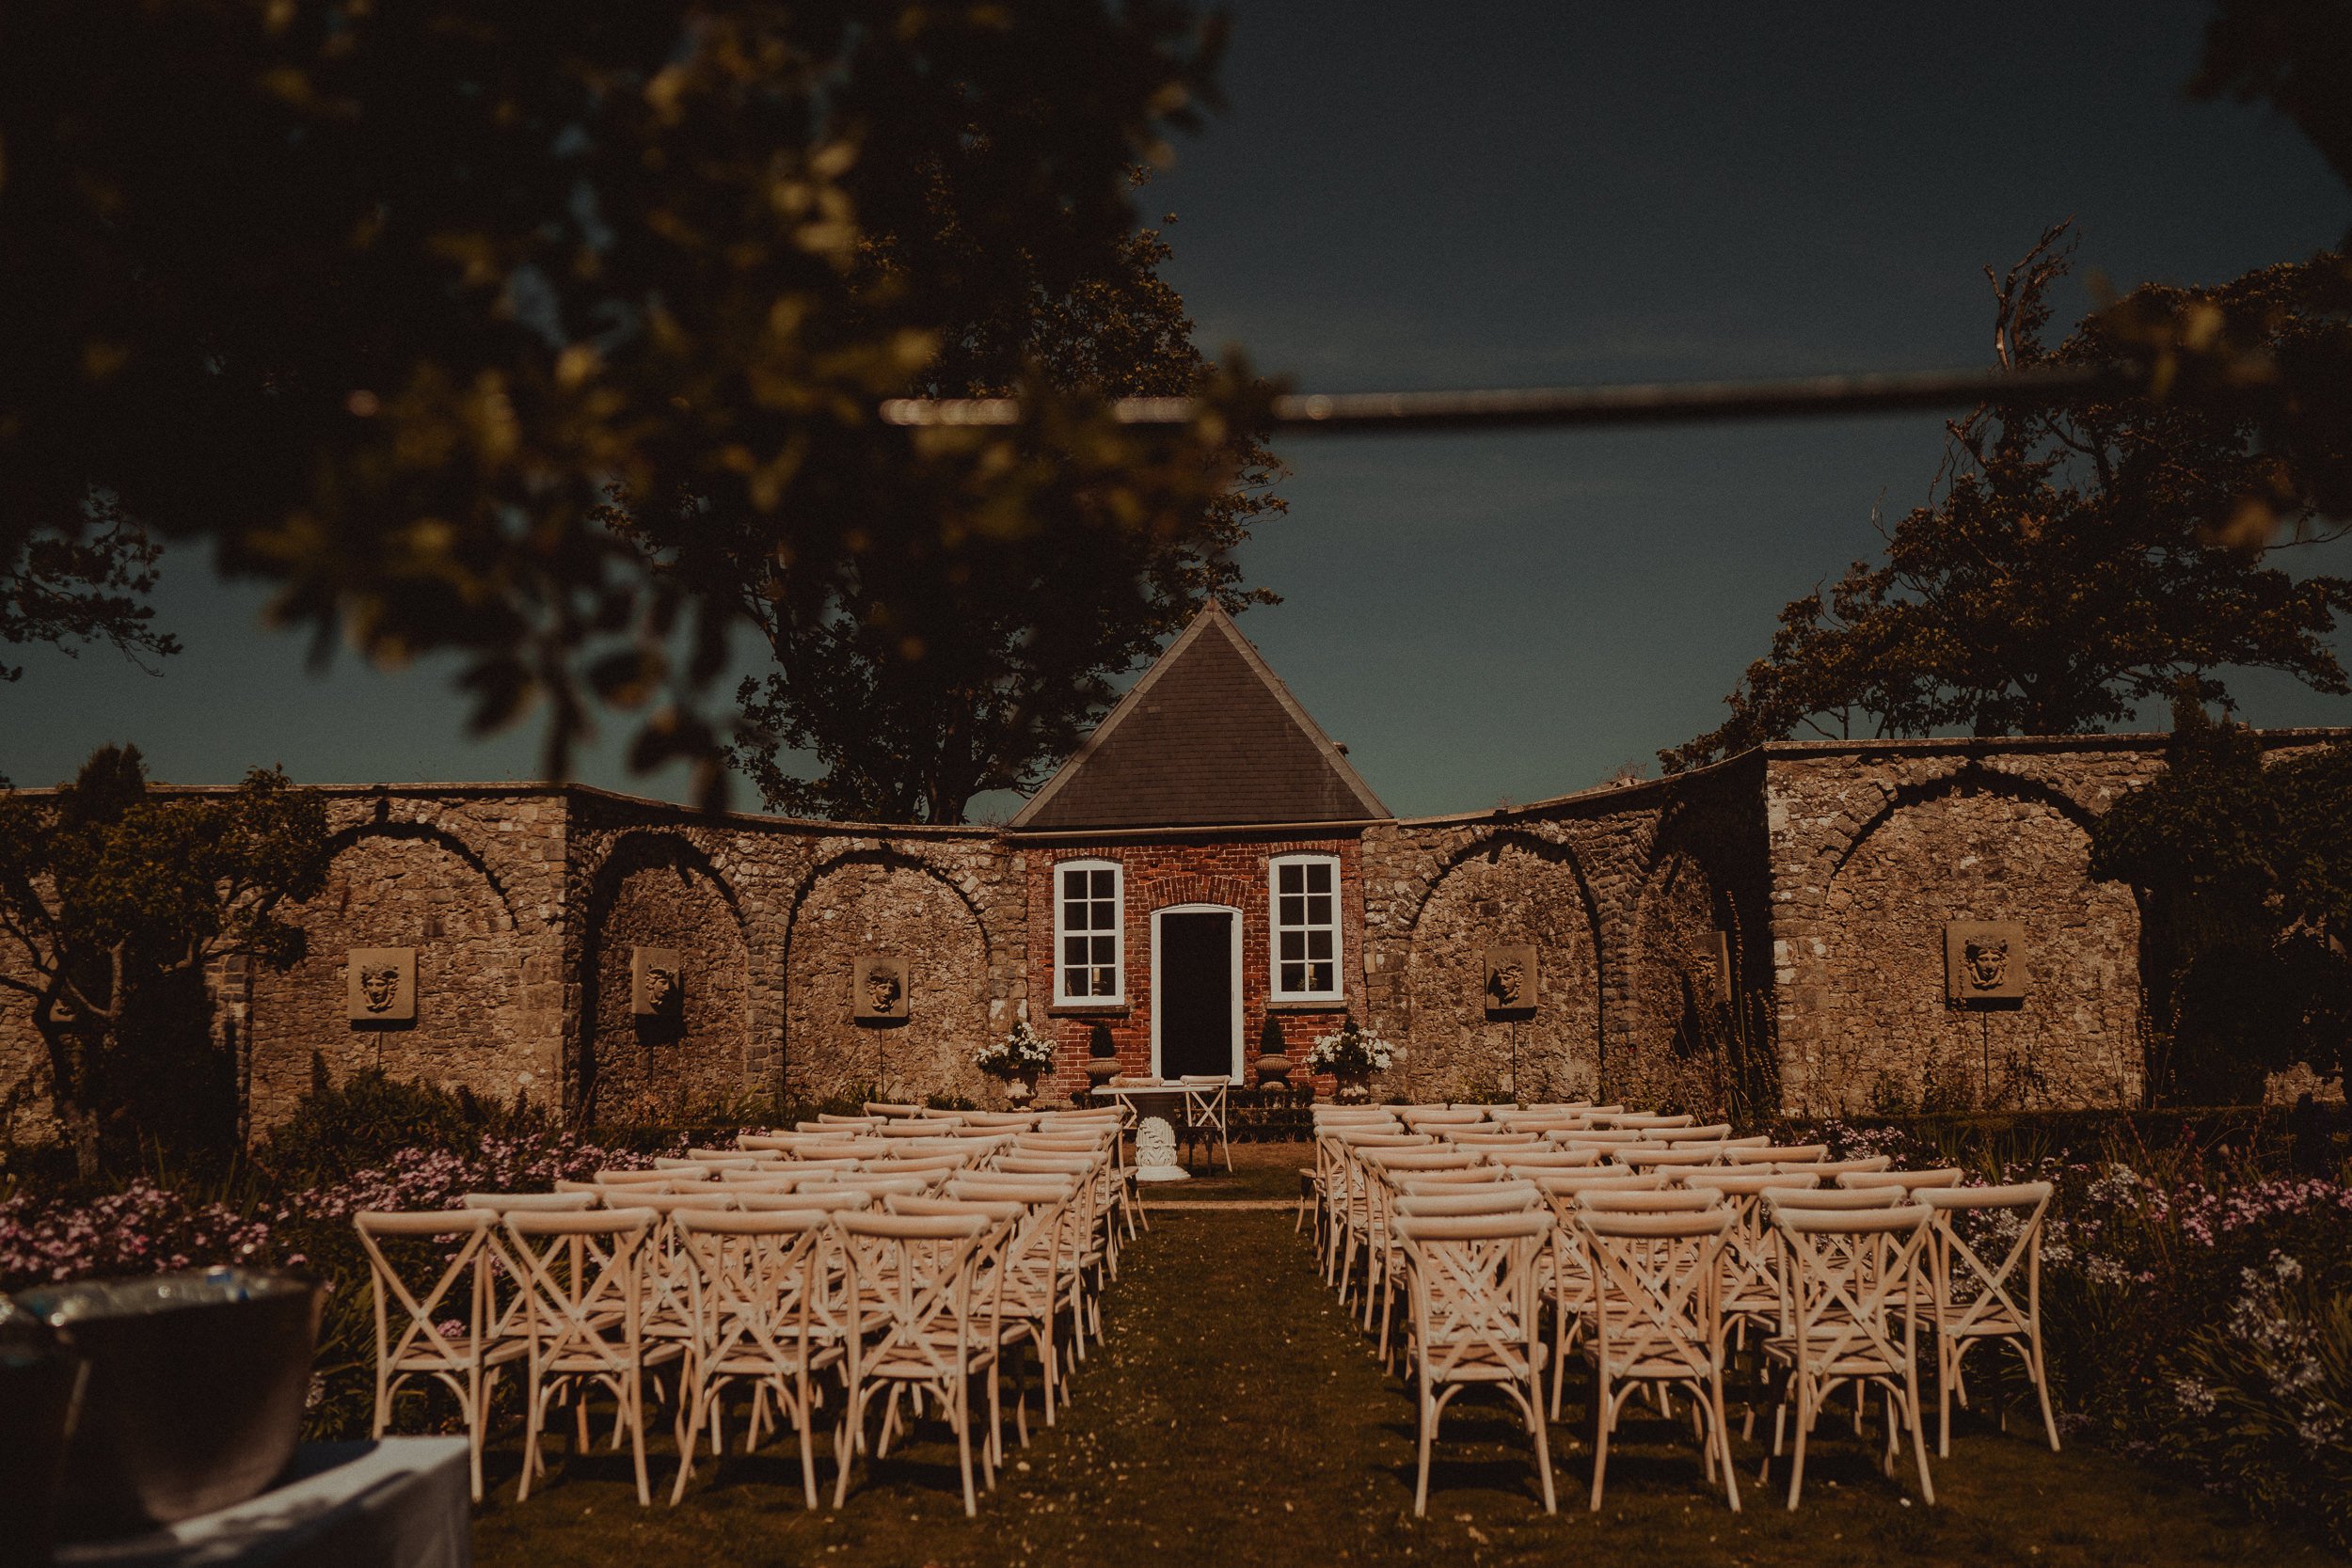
x,y
1489,194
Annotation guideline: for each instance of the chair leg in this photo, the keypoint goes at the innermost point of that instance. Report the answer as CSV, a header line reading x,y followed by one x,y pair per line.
x,y
808,1447
846,1444
1428,1431
1918,1435
632,1401
1720,1437
1601,1423
2041,1386
960,1412
1805,1425
1535,1425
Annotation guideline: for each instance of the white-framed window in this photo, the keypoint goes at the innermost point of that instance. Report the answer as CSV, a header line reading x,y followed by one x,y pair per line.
x,y
1306,927
1089,932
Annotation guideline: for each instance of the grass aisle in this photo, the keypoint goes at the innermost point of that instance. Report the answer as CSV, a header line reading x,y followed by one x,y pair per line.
x,y
1236,1415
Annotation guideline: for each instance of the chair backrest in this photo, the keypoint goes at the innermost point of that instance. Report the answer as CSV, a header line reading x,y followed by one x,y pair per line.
x,y
500,1203
1649,1157
1653,1119
1977,1284
912,1277
1444,1181
412,1302
625,1178
1657,1290
1472,1280
1746,1183
1825,1170
1352,1138
1417,1117
1530,1162
765,1143
1847,1272
721,1156
1574,1181
1502,1197
891,1108
582,1285
1835,1199
768,1203
826,1118
1651,1200
1713,1133
1436,1158
1909,1181
830,1199
756,1286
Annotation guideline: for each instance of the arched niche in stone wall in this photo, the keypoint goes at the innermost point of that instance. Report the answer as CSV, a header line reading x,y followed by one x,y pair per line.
x,y
1984,846
398,884
1699,1030
880,901
660,890
1510,887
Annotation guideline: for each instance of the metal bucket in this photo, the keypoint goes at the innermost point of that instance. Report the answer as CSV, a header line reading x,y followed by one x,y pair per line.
x,y
194,1396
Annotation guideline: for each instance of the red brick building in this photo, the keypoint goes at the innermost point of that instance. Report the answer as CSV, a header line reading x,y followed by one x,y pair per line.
x,y
1195,868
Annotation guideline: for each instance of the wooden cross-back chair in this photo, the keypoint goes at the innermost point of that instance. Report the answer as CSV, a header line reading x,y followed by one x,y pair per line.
x,y
1657,1321
918,1326
1753,1296
429,1285
758,1287
1382,1168
1475,1321
1044,1272
1852,1276
1347,1196
582,1314
1975,1296
1205,1108
1567,1282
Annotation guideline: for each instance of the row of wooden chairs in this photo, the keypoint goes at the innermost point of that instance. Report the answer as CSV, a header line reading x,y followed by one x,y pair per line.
x,y
1654,1269
889,1278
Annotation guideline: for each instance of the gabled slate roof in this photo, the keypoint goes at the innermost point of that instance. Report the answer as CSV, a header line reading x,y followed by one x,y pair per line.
x,y
1209,735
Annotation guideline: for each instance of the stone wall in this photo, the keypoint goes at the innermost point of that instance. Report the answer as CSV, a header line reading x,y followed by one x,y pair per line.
x,y
1620,890
1875,847
472,880
1768,932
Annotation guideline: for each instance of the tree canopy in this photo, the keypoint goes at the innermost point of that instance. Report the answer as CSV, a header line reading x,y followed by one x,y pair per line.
x,y
2243,871
113,903
385,301
953,661
2074,561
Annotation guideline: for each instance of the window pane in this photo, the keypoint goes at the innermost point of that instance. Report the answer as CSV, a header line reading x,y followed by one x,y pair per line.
x,y
1291,877
1294,978
1105,884
1074,950
1292,911
1104,949
1294,944
1322,980
1318,945
1319,910
1106,982
1318,876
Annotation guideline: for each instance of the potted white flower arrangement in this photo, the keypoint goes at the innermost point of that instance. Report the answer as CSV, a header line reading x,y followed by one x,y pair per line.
x,y
1352,1055
1020,1058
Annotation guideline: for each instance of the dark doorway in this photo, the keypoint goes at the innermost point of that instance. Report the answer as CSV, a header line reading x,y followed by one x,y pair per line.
x,y
1195,995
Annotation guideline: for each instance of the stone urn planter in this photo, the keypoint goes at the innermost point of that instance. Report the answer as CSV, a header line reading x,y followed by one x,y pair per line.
x,y
1354,1088
1274,1070
1020,1088
1102,1056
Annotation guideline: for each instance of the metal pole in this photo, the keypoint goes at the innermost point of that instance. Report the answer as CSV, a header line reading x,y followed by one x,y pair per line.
x,y
1639,403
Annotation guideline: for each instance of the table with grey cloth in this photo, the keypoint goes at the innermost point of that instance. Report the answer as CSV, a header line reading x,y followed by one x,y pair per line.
x,y
398,1503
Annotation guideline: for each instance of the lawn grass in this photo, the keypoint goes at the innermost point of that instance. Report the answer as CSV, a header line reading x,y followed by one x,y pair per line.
x,y
1236,1415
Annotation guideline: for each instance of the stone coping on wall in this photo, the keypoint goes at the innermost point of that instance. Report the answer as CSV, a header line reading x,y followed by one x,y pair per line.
x,y
1609,795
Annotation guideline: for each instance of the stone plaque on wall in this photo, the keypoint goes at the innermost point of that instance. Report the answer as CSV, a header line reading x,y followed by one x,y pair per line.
x,y
881,990
380,984
656,984
1984,960
1510,987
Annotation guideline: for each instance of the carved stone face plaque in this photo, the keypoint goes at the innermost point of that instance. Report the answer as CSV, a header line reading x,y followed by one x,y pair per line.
x,y
1510,987
380,985
1984,960
878,989
656,986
